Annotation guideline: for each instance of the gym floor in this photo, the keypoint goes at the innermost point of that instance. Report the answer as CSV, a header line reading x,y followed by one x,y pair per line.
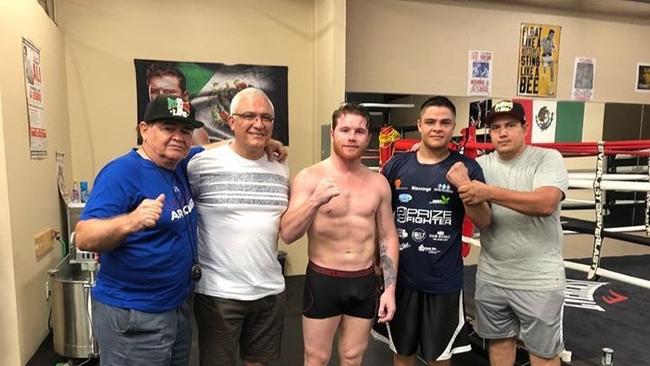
x,y
377,354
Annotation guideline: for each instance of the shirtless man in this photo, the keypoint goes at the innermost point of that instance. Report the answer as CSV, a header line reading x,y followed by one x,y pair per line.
x,y
345,209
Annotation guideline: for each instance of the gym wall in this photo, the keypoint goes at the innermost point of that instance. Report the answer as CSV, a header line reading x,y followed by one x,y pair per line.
x,y
28,190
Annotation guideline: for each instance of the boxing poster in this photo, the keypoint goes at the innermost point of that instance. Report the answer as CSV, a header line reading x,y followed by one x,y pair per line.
x,y
34,97
539,53
479,73
584,73
642,77
210,87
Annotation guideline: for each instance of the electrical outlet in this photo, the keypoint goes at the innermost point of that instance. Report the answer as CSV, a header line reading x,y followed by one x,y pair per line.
x,y
44,242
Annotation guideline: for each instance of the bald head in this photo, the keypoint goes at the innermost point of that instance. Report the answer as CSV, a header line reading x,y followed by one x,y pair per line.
x,y
252,93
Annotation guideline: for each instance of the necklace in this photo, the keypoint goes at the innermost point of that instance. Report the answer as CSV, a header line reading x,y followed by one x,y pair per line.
x,y
196,271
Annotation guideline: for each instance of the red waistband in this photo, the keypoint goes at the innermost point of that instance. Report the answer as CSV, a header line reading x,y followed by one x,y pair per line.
x,y
339,273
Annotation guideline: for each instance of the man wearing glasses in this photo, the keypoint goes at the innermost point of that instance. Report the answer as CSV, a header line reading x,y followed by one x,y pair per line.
x,y
240,196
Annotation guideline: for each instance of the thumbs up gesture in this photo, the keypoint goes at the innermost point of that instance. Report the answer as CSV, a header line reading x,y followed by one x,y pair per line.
x,y
147,213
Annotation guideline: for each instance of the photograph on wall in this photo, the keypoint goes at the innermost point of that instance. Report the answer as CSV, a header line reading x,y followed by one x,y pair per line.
x,y
642,77
584,72
478,109
539,53
34,97
479,73
210,87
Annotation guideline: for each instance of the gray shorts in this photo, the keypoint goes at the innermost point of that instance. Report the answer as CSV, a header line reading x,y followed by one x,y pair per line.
x,y
254,327
535,317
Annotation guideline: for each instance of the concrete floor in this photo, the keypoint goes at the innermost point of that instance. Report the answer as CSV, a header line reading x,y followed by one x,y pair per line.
x,y
377,354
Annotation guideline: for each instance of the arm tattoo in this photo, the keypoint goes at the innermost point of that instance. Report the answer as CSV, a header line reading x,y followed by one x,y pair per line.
x,y
387,265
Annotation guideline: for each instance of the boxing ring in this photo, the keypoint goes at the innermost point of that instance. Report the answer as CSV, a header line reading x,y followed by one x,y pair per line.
x,y
607,299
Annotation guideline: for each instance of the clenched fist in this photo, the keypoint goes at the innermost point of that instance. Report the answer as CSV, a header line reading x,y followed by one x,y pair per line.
x,y
147,213
474,192
325,191
458,174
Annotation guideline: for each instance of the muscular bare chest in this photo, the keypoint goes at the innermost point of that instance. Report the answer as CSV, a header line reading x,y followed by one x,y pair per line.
x,y
356,200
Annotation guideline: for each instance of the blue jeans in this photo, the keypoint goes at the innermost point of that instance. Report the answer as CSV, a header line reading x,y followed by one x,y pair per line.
x,y
128,337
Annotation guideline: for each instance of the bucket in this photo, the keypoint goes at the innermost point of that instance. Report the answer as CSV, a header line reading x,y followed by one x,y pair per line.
x,y
71,317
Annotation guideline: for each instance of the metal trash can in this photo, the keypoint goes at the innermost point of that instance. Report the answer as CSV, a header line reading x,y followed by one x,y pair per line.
x,y
71,314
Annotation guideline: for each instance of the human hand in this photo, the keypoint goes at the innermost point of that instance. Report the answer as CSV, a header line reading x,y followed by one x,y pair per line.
x,y
325,191
276,150
416,146
474,192
458,174
147,213
386,307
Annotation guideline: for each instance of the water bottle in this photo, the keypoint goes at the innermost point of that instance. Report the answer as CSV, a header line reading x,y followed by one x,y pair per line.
x,y
83,191
75,192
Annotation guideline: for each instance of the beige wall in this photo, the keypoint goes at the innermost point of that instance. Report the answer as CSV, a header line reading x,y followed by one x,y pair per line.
x,y
103,38
329,91
420,47
29,186
9,345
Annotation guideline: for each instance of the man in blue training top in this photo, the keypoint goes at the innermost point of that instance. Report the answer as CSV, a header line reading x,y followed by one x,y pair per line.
x,y
141,219
429,216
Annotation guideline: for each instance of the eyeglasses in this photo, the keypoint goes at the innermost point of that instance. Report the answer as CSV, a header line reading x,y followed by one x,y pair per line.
x,y
250,116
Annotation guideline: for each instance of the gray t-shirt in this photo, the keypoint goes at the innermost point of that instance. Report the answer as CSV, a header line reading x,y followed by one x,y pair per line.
x,y
520,251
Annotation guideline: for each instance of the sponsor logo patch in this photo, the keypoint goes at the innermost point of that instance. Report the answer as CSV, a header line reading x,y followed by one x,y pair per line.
x,y
430,250
402,234
403,246
422,216
443,200
439,236
405,197
418,235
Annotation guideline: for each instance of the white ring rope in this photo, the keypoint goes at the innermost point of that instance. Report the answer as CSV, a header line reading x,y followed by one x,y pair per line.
x,y
609,274
620,229
611,185
585,268
592,176
571,201
631,169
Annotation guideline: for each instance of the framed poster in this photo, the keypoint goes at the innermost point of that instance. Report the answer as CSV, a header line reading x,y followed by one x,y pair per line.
x,y
209,87
479,73
642,77
584,73
539,53
34,97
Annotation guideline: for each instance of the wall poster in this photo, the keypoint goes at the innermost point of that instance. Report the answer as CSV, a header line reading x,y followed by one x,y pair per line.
x,y
209,87
584,73
479,73
539,53
34,97
642,77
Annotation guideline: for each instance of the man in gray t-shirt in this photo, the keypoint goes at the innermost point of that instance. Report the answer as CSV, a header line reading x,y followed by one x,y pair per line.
x,y
520,278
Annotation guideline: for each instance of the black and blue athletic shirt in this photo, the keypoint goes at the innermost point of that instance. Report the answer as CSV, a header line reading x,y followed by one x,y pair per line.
x,y
429,217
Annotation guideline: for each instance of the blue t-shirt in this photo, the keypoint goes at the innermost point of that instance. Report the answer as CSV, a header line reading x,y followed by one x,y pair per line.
x,y
429,217
150,271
